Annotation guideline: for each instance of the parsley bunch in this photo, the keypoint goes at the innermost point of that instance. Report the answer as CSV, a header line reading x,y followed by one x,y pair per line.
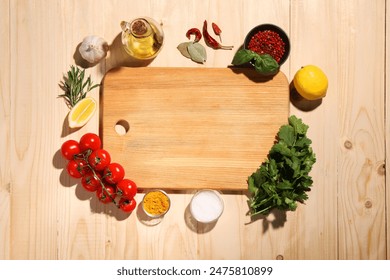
x,y
283,179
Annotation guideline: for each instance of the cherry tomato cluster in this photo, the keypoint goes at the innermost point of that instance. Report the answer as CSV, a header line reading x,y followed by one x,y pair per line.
x,y
88,161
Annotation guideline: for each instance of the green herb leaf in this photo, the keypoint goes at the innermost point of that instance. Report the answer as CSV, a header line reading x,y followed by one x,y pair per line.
x,y
263,63
281,149
266,65
298,125
251,184
183,48
283,179
287,135
243,56
302,142
284,185
197,52
73,86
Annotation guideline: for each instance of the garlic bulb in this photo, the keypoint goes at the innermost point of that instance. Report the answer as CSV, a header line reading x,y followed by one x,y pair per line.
x,y
93,49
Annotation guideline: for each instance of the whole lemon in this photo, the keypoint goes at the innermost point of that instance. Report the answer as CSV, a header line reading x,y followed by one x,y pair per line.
x,y
311,82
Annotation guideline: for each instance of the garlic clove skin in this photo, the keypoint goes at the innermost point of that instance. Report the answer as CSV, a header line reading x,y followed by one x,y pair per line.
x,y
93,49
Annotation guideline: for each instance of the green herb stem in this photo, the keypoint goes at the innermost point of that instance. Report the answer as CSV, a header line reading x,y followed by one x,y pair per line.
x,y
74,86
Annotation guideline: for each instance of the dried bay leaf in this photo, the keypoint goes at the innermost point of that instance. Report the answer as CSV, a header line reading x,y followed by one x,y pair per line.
x,y
183,48
197,52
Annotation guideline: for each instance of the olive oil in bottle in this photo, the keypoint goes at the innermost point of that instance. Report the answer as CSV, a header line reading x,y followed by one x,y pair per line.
x,y
142,38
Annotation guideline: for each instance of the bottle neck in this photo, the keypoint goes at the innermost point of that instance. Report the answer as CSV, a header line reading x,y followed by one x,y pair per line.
x,y
140,28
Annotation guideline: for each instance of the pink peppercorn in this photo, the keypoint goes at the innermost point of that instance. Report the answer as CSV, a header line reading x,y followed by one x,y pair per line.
x,y
267,42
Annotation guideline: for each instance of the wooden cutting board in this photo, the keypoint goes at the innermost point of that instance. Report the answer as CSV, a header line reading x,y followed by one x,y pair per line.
x,y
191,128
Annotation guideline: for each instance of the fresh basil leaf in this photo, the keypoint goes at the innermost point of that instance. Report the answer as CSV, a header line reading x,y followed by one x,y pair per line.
x,y
266,65
243,56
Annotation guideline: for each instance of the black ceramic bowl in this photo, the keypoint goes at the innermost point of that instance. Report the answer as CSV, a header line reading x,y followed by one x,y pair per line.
x,y
274,28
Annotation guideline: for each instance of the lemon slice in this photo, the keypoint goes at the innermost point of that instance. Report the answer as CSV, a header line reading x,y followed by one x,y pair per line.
x,y
82,112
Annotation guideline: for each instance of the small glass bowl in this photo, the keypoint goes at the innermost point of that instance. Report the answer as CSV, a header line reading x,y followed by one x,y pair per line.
x,y
276,29
156,201
206,206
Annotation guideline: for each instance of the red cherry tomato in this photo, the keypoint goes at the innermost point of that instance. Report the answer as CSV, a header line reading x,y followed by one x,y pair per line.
x,y
127,205
103,196
77,168
91,182
113,173
90,141
99,159
127,188
70,148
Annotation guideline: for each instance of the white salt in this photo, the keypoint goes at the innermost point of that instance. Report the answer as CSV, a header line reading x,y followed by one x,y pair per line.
x,y
206,206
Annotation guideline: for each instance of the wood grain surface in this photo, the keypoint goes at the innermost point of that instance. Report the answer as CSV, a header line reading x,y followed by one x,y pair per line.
x,y
191,128
44,214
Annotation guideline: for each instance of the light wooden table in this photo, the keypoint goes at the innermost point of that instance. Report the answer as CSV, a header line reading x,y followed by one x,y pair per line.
x,y
46,215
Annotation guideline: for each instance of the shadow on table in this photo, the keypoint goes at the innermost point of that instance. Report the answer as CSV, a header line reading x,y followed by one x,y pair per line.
x,y
97,206
275,219
60,163
302,104
66,130
250,73
196,226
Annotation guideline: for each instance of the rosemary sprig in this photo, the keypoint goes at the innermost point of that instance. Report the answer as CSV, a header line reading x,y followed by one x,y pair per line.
x,y
74,86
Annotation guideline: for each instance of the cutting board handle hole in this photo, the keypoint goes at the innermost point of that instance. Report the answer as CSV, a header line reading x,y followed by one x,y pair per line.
x,y
122,127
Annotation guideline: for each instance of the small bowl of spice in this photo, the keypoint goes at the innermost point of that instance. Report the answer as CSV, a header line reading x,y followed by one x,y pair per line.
x,y
156,203
268,39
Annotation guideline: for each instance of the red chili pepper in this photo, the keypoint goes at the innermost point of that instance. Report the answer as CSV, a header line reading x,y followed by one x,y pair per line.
x,y
211,42
217,30
196,32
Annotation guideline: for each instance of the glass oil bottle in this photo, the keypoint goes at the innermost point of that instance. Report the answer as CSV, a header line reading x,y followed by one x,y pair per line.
x,y
142,38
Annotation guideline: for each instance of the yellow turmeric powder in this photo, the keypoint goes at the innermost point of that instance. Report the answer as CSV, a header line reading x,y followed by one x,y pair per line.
x,y
156,203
